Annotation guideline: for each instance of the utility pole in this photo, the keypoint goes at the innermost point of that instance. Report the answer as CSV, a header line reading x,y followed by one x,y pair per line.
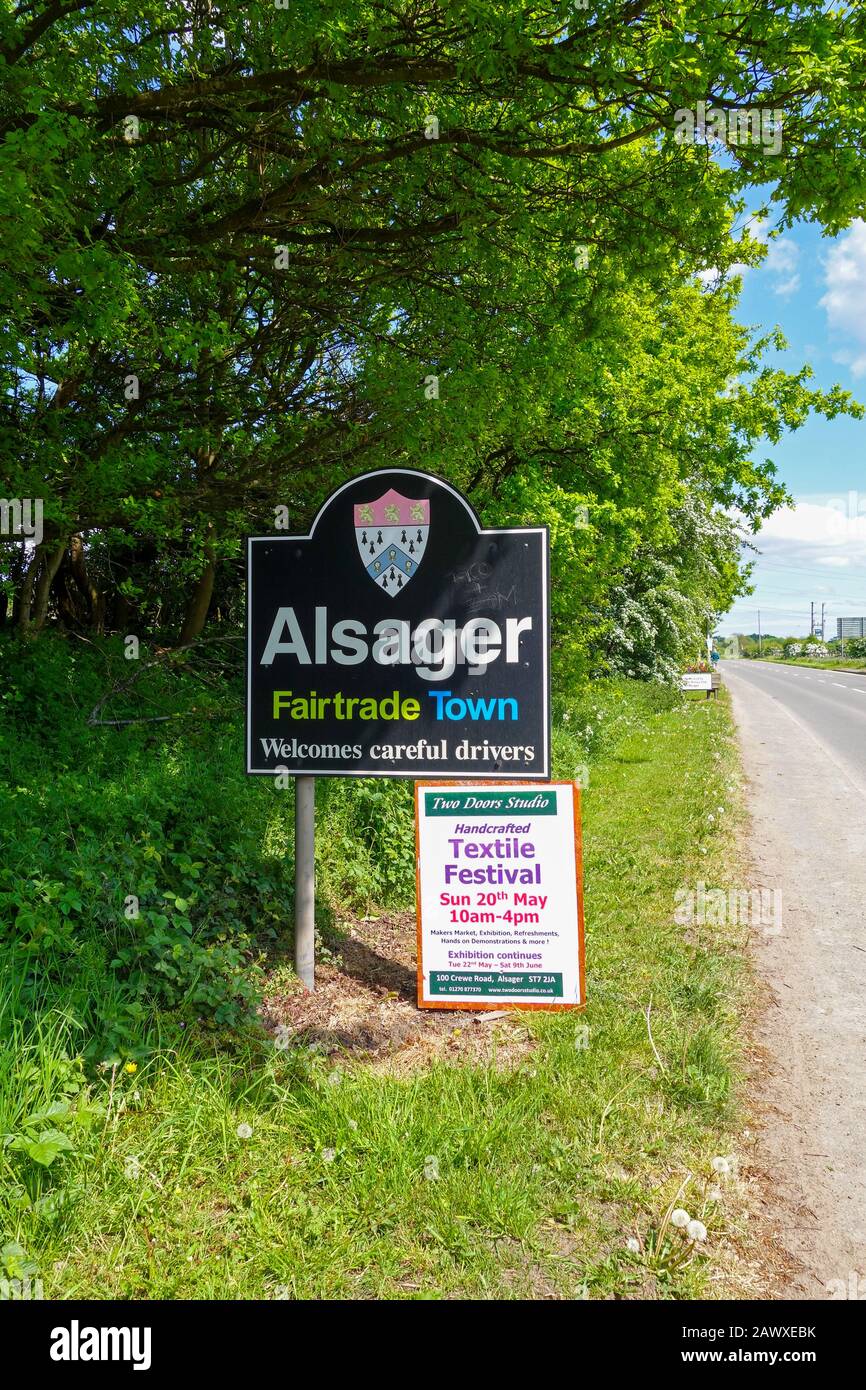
x,y
823,606
812,621
760,648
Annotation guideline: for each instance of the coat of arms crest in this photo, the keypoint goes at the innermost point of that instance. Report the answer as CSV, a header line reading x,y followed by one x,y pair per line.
x,y
392,537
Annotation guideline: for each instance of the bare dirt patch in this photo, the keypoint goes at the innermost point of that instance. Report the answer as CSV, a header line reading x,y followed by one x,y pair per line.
x,y
364,1008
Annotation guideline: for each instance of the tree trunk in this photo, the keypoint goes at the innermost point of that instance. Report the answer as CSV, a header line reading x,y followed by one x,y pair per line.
x,y
51,564
33,603
10,605
78,569
195,616
25,594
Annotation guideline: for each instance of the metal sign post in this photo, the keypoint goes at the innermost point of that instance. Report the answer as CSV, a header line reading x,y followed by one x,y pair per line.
x,y
305,880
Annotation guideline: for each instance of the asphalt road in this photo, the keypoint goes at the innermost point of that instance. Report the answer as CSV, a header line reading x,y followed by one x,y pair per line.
x,y
831,704
803,738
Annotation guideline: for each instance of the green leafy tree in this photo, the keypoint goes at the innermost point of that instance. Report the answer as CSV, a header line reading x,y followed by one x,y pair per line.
x,y
256,249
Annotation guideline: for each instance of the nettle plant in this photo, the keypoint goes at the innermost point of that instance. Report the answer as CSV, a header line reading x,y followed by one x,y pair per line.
x,y
39,1144
185,941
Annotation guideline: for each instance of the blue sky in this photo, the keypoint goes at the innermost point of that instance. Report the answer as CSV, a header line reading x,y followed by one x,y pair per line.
x,y
814,288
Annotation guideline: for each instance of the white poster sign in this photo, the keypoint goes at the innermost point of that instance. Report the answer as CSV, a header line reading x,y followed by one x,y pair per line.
x,y
500,896
696,680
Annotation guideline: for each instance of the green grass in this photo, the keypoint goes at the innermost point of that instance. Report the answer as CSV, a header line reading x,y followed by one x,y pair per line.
x,y
853,663
544,1172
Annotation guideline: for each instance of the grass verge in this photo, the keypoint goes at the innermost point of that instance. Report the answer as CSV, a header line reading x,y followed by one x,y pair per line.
x,y
853,663
220,1166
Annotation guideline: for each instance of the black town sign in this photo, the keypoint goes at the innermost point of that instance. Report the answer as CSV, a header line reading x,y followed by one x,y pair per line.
x,y
399,639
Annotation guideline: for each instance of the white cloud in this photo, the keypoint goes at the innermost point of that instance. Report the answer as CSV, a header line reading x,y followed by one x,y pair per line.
x,y
782,259
814,551
821,529
845,300
759,228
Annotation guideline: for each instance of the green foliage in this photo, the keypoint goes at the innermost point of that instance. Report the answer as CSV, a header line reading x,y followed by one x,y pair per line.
x,y
547,1163
131,857
614,383
143,875
49,1117
15,1262
367,844
168,380
703,1076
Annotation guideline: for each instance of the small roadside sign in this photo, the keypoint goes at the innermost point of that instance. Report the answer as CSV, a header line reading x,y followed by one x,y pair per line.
x,y
500,896
696,680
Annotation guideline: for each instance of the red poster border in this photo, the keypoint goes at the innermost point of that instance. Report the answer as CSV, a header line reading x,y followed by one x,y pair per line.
x,y
578,870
